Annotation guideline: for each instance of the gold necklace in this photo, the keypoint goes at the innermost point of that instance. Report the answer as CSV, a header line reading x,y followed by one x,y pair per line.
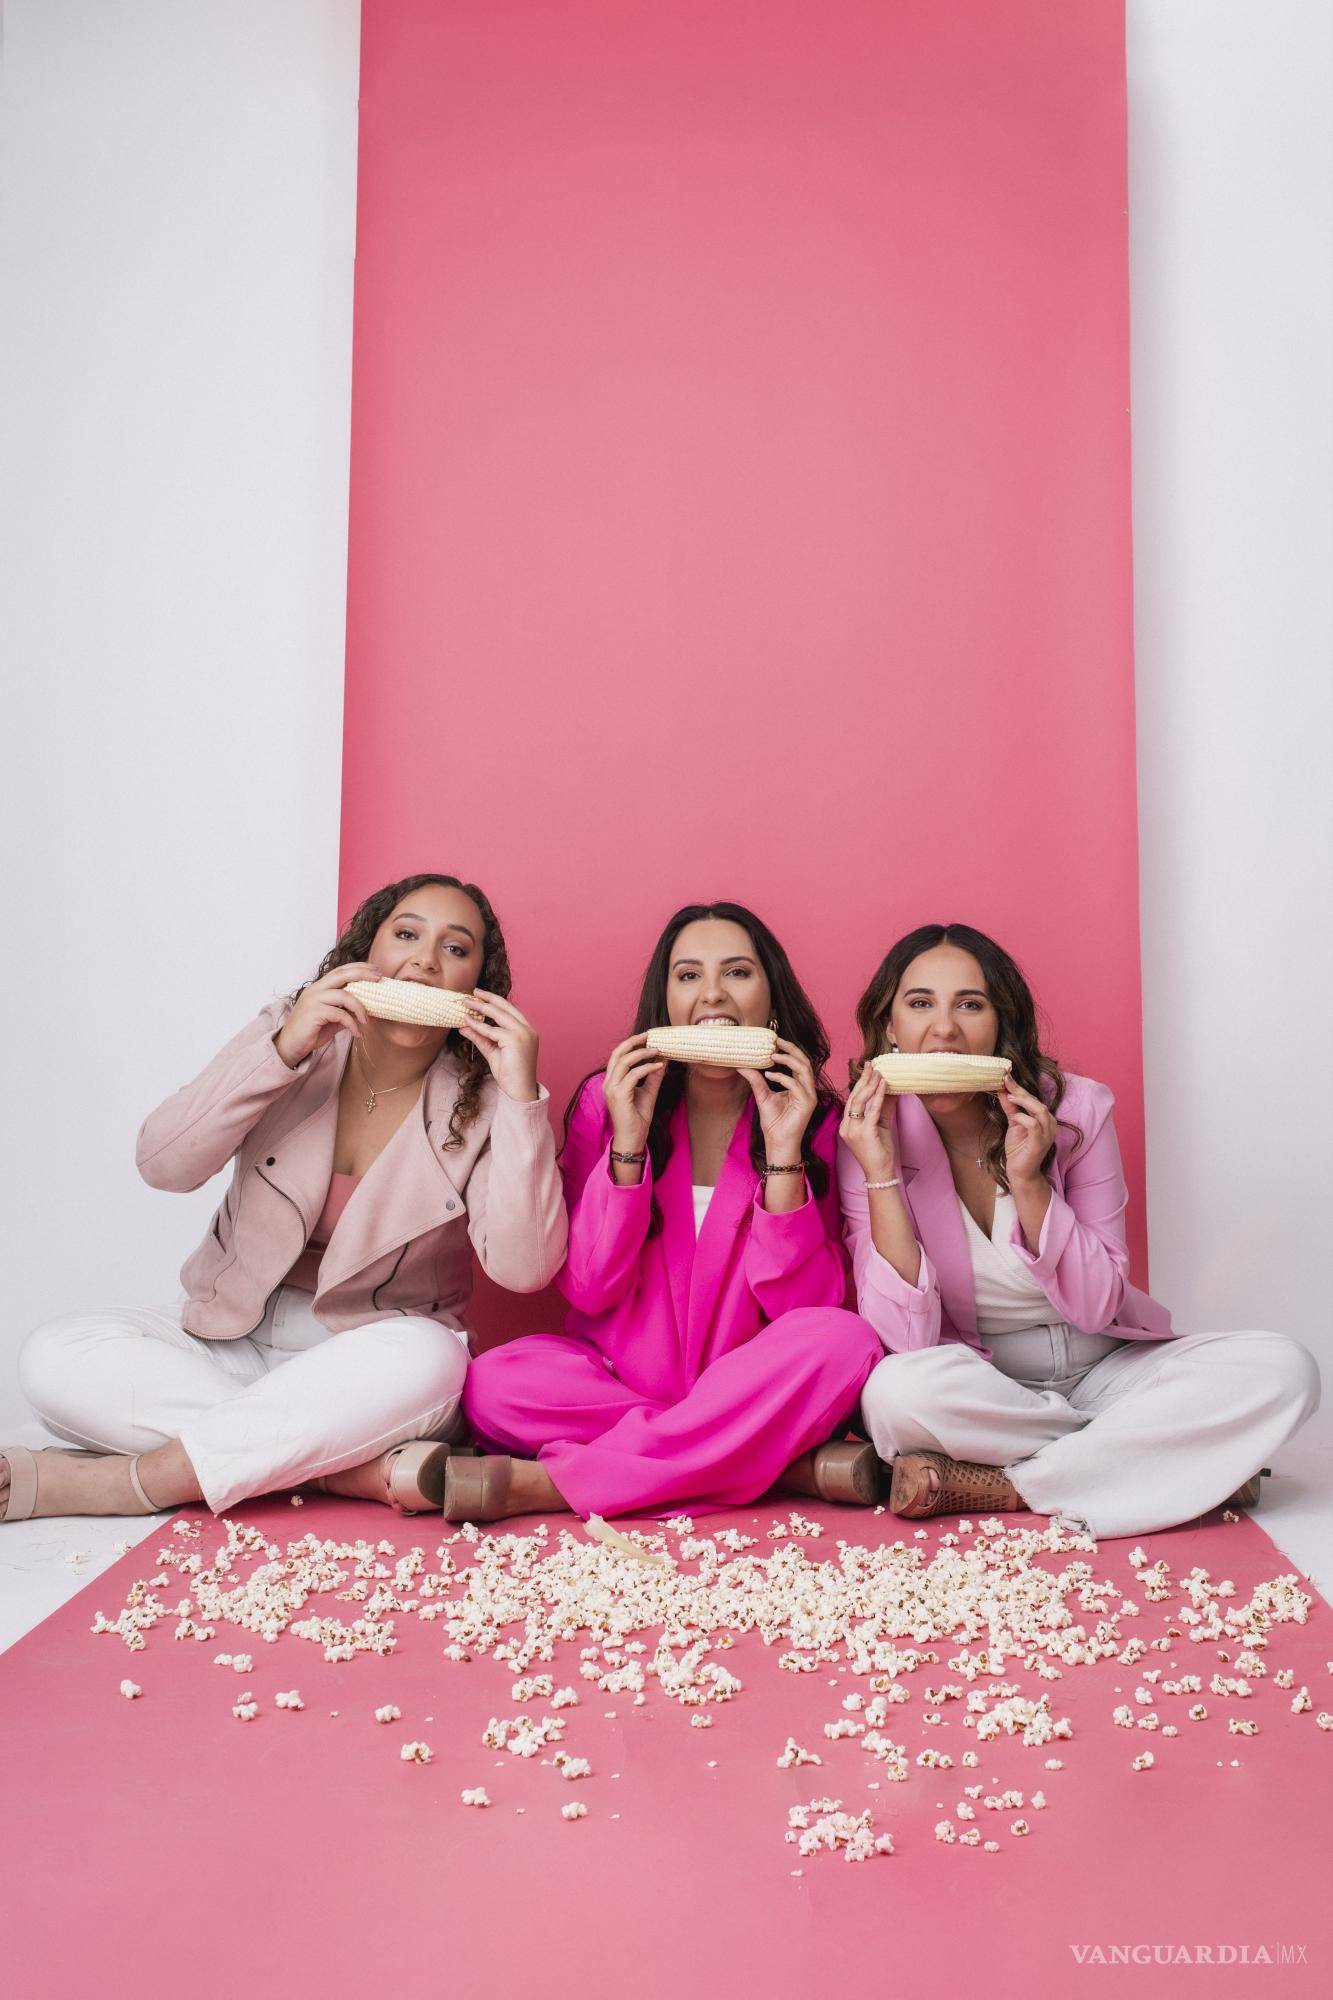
x,y
375,1095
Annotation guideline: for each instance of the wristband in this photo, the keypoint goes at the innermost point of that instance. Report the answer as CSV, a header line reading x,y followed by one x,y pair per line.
x,y
799,1168
628,1159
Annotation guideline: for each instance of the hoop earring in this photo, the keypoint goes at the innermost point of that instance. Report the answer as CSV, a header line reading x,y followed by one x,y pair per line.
x,y
773,1023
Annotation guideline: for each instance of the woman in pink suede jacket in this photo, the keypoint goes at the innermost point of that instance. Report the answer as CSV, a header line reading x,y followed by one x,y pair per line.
x,y
321,1335
707,1348
987,1233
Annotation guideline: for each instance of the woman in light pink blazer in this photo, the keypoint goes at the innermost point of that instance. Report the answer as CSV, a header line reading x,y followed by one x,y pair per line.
x,y
988,1245
321,1332
707,1346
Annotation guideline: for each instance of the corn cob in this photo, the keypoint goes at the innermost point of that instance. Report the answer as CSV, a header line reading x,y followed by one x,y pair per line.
x,y
716,1042
407,1000
947,1075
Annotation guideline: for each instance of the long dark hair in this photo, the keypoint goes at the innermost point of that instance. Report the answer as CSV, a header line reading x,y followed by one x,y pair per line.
x,y
358,935
792,1009
1018,1036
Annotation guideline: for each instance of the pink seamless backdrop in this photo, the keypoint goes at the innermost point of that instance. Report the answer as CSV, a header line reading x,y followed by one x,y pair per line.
x,y
740,493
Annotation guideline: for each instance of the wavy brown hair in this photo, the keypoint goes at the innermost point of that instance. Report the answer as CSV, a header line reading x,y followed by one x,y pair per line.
x,y
353,946
797,1022
1018,1037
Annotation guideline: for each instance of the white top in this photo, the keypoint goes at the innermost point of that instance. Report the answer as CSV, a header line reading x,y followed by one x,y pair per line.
x,y
702,1197
1009,1299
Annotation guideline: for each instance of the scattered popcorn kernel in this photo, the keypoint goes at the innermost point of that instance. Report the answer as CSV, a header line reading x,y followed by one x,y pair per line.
x,y
291,1699
131,1690
416,1753
575,1810
1019,1827
476,1796
388,1713
1143,1762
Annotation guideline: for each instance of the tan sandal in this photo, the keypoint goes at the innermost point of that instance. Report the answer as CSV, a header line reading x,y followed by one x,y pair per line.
x,y
847,1470
413,1475
21,1494
1248,1494
477,1489
964,1488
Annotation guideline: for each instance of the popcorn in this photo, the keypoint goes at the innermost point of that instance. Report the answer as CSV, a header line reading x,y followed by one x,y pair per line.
x,y
417,1753
794,1756
1019,1828
1301,1702
246,1709
575,1810
131,1690
572,1767
291,1699
1324,1720
701,1722
1240,1725
1143,1762
1054,1764
477,1796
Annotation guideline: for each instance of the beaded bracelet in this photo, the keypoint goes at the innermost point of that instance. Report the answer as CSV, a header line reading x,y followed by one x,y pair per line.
x,y
883,1184
628,1159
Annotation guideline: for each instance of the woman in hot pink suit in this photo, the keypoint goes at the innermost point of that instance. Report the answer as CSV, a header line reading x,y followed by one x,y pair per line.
x,y
707,1348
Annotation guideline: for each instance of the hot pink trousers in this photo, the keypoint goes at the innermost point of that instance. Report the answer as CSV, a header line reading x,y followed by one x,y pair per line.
x,y
611,1449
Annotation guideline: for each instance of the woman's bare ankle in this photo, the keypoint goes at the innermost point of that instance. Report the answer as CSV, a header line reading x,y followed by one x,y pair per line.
x,y
533,1491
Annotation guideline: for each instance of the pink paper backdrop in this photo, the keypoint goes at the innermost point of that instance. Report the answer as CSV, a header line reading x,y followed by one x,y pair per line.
x,y
740,491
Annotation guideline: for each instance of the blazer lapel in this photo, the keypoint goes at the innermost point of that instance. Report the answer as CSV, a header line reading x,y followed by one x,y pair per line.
x,y
732,1196
407,1192
675,1201
933,1200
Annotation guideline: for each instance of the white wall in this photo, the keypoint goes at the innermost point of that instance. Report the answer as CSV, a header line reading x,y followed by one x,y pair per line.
x,y
176,269
1231,241
179,196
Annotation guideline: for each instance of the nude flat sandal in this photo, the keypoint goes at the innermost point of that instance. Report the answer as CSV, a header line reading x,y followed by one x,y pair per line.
x,y
1248,1494
21,1496
964,1488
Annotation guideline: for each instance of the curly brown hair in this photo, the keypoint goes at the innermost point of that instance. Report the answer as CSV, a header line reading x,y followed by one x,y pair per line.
x,y
1018,1036
358,935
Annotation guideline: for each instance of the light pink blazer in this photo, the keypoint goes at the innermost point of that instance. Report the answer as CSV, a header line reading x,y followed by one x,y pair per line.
x,y
662,1308
404,1242
1081,1263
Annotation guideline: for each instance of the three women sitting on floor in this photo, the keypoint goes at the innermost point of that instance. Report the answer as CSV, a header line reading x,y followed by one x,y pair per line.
x,y
998,1358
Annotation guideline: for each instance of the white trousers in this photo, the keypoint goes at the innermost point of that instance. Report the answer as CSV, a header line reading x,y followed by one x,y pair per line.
x,y
289,1402
1123,1437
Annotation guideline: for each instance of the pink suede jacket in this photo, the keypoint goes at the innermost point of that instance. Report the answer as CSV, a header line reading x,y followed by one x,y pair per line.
x,y
1081,1262
662,1308
405,1240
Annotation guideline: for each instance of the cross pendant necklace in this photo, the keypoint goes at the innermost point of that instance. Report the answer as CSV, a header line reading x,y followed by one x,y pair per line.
x,y
375,1095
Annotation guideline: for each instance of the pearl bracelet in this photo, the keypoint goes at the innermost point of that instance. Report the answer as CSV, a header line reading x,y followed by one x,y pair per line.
x,y
883,1184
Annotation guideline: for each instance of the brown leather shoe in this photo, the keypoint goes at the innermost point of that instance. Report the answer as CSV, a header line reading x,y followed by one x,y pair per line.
x,y
477,1489
846,1470
963,1489
1246,1495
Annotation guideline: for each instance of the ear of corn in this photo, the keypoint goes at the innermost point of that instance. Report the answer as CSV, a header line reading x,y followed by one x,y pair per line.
x,y
941,1075
716,1042
419,1006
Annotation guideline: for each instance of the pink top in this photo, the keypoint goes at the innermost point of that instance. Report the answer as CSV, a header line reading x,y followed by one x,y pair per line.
x,y
304,1273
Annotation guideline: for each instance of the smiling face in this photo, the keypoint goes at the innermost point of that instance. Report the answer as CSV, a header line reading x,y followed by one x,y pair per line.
x,y
715,975
942,1007
435,936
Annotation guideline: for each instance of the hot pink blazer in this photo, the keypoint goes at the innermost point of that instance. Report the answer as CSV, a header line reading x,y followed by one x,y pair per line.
x,y
662,1308
404,1242
1081,1262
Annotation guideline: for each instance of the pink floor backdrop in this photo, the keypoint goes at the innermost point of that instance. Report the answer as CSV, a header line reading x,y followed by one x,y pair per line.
x,y
740,491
